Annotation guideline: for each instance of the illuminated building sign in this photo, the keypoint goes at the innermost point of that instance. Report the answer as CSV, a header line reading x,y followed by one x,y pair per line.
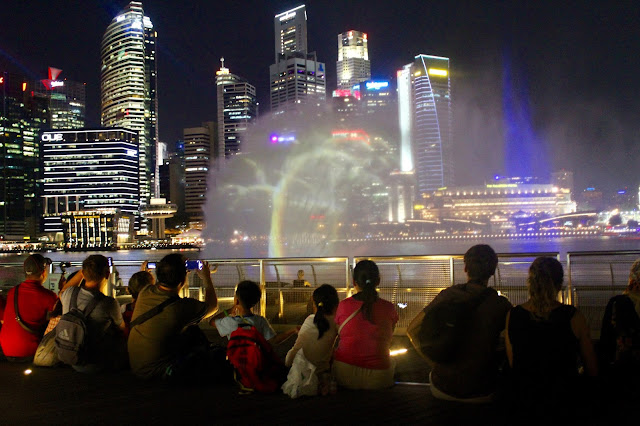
x,y
438,72
52,137
502,185
52,81
282,139
377,85
288,15
341,93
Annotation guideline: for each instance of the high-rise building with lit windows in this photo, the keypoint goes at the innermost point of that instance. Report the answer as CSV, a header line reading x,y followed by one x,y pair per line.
x,y
290,31
129,87
296,76
237,109
23,115
353,64
424,108
67,100
89,170
198,144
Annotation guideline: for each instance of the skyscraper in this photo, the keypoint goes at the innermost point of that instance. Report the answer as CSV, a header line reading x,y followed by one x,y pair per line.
x,y
290,31
237,108
353,64
67,100
424,107
198,143
128,87
296,76
89,170
23,115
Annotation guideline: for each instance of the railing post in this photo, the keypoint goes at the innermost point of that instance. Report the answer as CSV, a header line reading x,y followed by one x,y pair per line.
x,y
263,288
570,282
452,277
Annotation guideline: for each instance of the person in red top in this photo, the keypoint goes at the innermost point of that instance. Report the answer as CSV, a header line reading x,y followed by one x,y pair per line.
x,y
366,324
34,303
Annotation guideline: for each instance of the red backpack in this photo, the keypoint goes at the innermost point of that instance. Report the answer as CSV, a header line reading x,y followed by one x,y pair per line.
x,y
257,367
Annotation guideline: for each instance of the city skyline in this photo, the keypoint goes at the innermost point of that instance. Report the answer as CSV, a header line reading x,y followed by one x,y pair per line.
x,y
583,121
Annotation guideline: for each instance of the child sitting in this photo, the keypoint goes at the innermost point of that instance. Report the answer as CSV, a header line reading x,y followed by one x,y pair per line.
x,y
137,282
247,296
310,357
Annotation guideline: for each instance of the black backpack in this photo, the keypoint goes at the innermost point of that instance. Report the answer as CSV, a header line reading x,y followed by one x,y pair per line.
x,y
72,332
445,325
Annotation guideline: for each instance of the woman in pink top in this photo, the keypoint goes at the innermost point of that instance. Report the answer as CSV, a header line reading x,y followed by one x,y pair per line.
x,y
366,325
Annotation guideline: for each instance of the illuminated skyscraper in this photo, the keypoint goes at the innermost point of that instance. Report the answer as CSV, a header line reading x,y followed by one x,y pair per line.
x,y
23,115
353,64
198,145
67,100
128,87
290,31
237,109
296,77
424,107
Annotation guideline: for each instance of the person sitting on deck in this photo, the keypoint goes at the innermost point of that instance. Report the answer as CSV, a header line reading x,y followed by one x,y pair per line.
x,y
365,326
472,375
544,340
137,282
313,348
165,341
106,341
246,297
22,331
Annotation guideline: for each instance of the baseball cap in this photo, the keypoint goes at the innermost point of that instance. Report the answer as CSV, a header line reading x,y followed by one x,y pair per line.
x,y
35,264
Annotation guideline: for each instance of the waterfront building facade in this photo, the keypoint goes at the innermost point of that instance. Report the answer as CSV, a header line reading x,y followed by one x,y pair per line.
x,y
198,143
297,77
353,65
23,115
89,170
237,110
128,86
497,202
424,108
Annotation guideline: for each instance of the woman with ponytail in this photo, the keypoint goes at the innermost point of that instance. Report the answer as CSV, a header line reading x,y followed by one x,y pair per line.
x,y
544,339
310,357
365,323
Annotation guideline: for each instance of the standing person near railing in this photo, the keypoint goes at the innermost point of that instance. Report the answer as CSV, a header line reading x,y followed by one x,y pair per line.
x,y
25,315
619,348
365,328
544,340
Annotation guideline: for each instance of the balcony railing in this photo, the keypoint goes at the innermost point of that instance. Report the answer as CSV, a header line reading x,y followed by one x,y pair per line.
x,y
409,282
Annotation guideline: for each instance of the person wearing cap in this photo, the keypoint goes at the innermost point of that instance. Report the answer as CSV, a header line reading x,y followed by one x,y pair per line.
x,y
472,376
19,339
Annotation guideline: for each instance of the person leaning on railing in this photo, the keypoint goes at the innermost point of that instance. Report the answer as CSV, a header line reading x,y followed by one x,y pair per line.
x,y
544,340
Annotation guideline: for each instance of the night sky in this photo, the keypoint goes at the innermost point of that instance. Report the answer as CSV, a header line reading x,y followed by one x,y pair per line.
x,y
572,69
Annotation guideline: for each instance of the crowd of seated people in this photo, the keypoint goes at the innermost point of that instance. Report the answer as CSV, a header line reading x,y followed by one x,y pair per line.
x,y
533,355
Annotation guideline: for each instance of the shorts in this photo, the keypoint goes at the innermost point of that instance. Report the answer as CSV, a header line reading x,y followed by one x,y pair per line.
x,y
353,377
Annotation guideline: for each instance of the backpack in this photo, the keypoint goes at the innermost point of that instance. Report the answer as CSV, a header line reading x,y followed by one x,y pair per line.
x,y
72,332
256,366
445,325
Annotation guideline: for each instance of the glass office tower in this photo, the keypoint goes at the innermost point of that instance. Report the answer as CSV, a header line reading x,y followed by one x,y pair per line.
x,y
129,87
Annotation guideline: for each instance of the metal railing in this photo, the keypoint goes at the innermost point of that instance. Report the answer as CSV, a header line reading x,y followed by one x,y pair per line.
x,y
409,282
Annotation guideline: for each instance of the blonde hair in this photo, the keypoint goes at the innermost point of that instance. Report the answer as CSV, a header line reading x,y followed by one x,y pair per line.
x,y
544,283
634,277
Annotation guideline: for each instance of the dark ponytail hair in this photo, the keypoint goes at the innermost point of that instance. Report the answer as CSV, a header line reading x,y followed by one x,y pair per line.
x,y
326,299
367,276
